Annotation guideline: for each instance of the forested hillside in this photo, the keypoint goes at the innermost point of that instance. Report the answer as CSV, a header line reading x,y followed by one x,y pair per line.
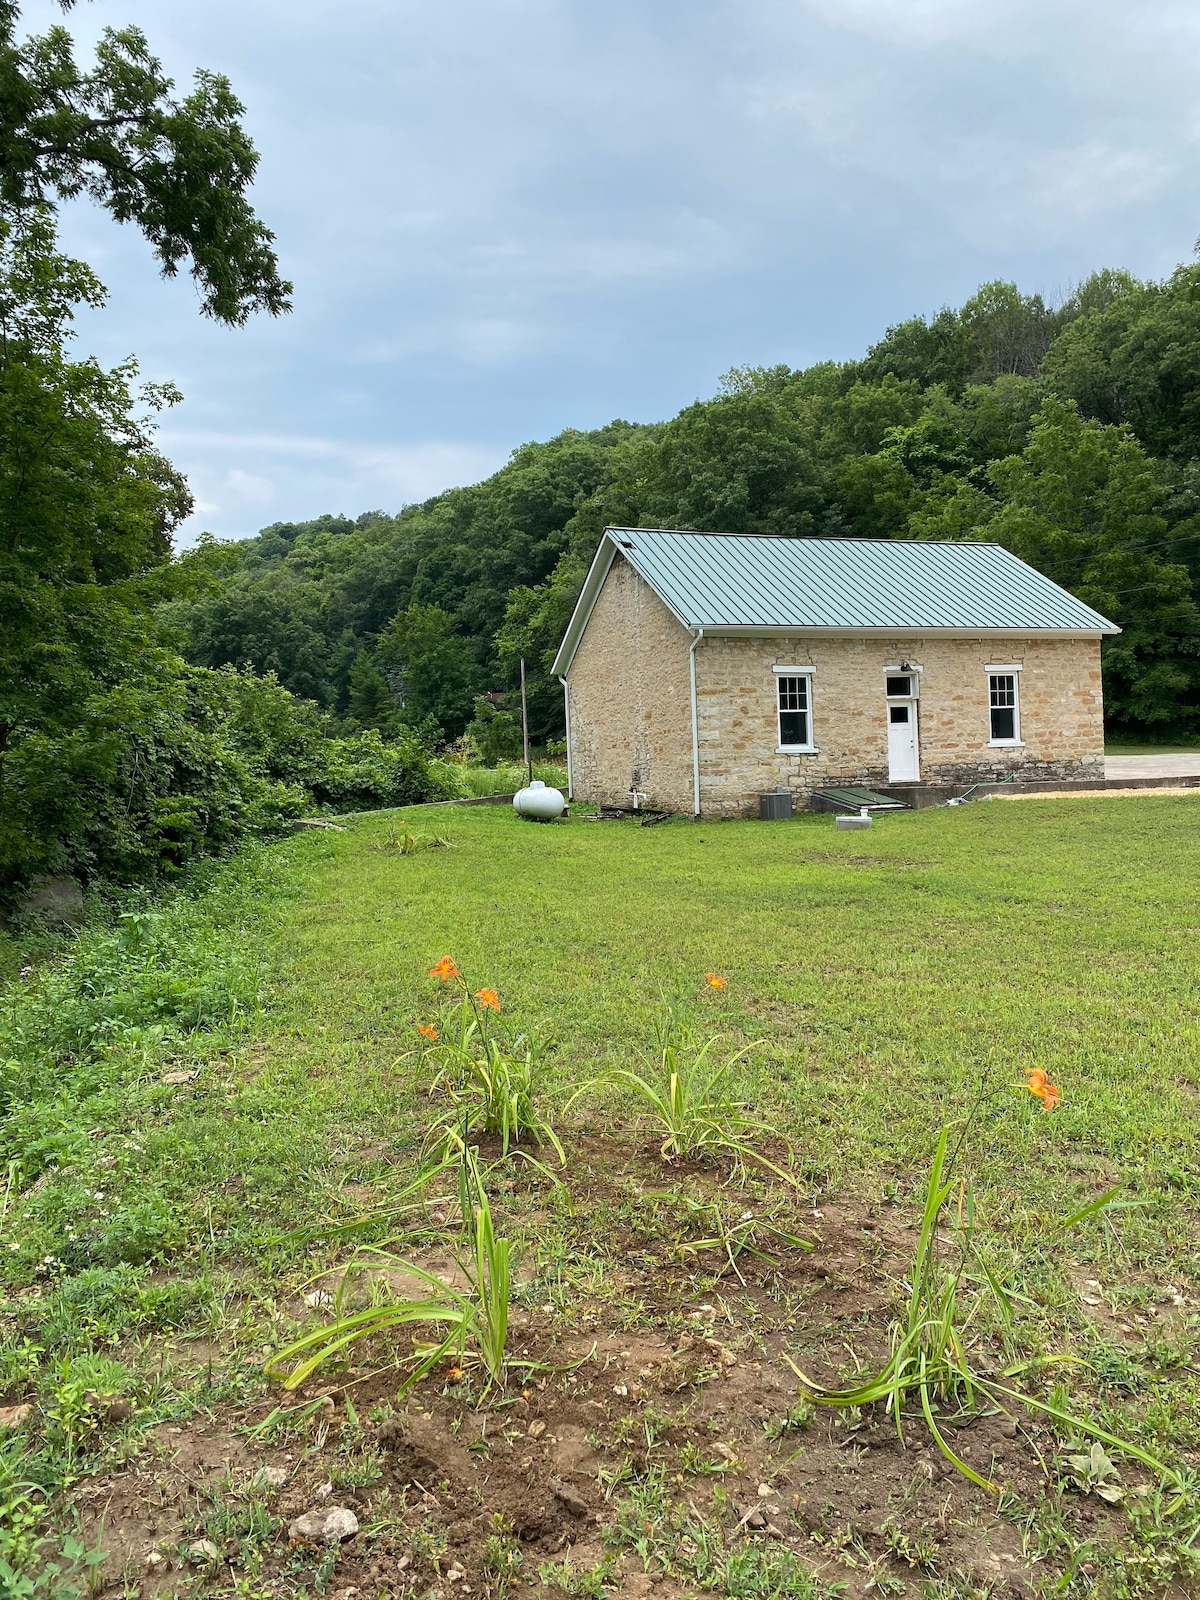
x,y
1068,434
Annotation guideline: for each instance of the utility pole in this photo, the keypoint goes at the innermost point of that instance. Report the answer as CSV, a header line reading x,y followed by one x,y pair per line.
x,y
525,727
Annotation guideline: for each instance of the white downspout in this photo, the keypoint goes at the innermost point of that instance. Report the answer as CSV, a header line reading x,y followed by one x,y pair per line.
x,y
695,729
567,720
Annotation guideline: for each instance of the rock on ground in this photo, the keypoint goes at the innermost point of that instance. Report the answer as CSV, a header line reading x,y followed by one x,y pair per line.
x,y
330,1525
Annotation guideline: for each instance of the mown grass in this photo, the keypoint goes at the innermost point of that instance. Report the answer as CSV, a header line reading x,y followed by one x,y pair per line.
x,y
887,983
895,978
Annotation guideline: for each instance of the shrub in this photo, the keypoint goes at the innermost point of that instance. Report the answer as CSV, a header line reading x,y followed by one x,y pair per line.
x,y
362,773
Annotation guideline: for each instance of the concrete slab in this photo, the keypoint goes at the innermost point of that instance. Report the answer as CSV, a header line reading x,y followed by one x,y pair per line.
x,y
1186,765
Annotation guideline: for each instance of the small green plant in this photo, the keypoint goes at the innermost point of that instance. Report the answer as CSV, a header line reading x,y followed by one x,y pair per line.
x,y
692,1104
586,1583
502,1556
930,1362
475,1320
1092,1471
747,1235
402,841
796,1420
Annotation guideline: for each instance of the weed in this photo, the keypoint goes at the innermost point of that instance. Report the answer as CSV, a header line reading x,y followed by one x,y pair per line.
x,y
590,1583
914,1549
795,1420
1091,1471
676,1542
359,1470
502,1556
746,1236
284,1423
237,1516
402,842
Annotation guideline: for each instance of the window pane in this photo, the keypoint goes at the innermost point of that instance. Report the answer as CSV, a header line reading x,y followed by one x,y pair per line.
x,y
898,713
1004,722
899,685
1003,689
793,727
793,694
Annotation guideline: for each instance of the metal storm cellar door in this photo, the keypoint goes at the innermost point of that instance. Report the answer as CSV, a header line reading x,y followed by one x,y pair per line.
x,y
904,762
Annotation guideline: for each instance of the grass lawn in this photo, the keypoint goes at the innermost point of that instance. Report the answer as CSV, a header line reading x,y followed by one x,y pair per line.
x,y
1117,746
885,983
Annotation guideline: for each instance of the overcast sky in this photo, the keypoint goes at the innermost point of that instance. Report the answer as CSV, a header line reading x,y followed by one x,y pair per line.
x,y
507,217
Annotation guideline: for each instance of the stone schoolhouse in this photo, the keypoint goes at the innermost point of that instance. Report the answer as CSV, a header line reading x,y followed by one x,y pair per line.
x,y
703,669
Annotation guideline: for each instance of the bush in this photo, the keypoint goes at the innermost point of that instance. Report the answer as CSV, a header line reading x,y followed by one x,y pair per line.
x,y
363,773
183,763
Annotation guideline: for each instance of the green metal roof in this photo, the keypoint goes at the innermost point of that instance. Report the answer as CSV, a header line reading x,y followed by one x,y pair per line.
x,y
732,581
739,580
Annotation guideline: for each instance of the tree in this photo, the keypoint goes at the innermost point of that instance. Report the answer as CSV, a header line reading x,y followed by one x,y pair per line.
x,y
177,168
1134,357
371,702
114,754
1083,503
741,463
438,674
86,504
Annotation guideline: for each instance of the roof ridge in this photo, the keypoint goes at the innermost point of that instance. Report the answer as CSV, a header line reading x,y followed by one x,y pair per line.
x,y
813,538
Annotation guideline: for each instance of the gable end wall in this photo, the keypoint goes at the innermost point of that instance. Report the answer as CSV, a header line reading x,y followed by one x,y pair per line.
x,y
629,690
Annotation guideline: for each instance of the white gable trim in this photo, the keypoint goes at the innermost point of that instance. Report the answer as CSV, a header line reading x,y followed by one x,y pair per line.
x,y
610,548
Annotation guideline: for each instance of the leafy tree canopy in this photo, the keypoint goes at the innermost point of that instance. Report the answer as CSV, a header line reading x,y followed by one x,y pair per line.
x,y
179,169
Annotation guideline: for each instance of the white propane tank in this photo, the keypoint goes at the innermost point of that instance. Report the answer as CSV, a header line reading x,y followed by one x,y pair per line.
x,y
539,802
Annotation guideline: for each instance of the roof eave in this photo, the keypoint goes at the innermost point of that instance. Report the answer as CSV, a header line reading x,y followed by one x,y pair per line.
x,y
805,630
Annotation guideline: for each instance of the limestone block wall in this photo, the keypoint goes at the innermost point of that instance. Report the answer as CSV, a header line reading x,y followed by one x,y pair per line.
x,y
629,691
1061,704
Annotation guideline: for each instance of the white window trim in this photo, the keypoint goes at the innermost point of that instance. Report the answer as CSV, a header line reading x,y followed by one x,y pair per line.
x,y
910,671
810,748
1006,672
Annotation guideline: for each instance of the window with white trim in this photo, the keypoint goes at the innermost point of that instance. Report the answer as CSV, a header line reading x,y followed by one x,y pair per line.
x,y
1004,708
795,711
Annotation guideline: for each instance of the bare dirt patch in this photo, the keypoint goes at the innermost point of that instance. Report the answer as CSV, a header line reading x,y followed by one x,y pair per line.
x,y
652,1418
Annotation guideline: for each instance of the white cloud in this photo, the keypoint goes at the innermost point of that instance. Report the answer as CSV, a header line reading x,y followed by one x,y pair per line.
x,y
311,475
249,487
508,216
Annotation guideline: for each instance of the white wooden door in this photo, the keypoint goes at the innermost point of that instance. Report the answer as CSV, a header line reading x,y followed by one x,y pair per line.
x,y
904,764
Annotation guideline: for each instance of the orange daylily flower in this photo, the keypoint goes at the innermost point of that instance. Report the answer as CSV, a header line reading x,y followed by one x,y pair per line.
x,y
428,1030
445,970
715,981
488,999
1039,1084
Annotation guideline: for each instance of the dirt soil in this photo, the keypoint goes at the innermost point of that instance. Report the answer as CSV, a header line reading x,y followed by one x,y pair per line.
x,y
663,1367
